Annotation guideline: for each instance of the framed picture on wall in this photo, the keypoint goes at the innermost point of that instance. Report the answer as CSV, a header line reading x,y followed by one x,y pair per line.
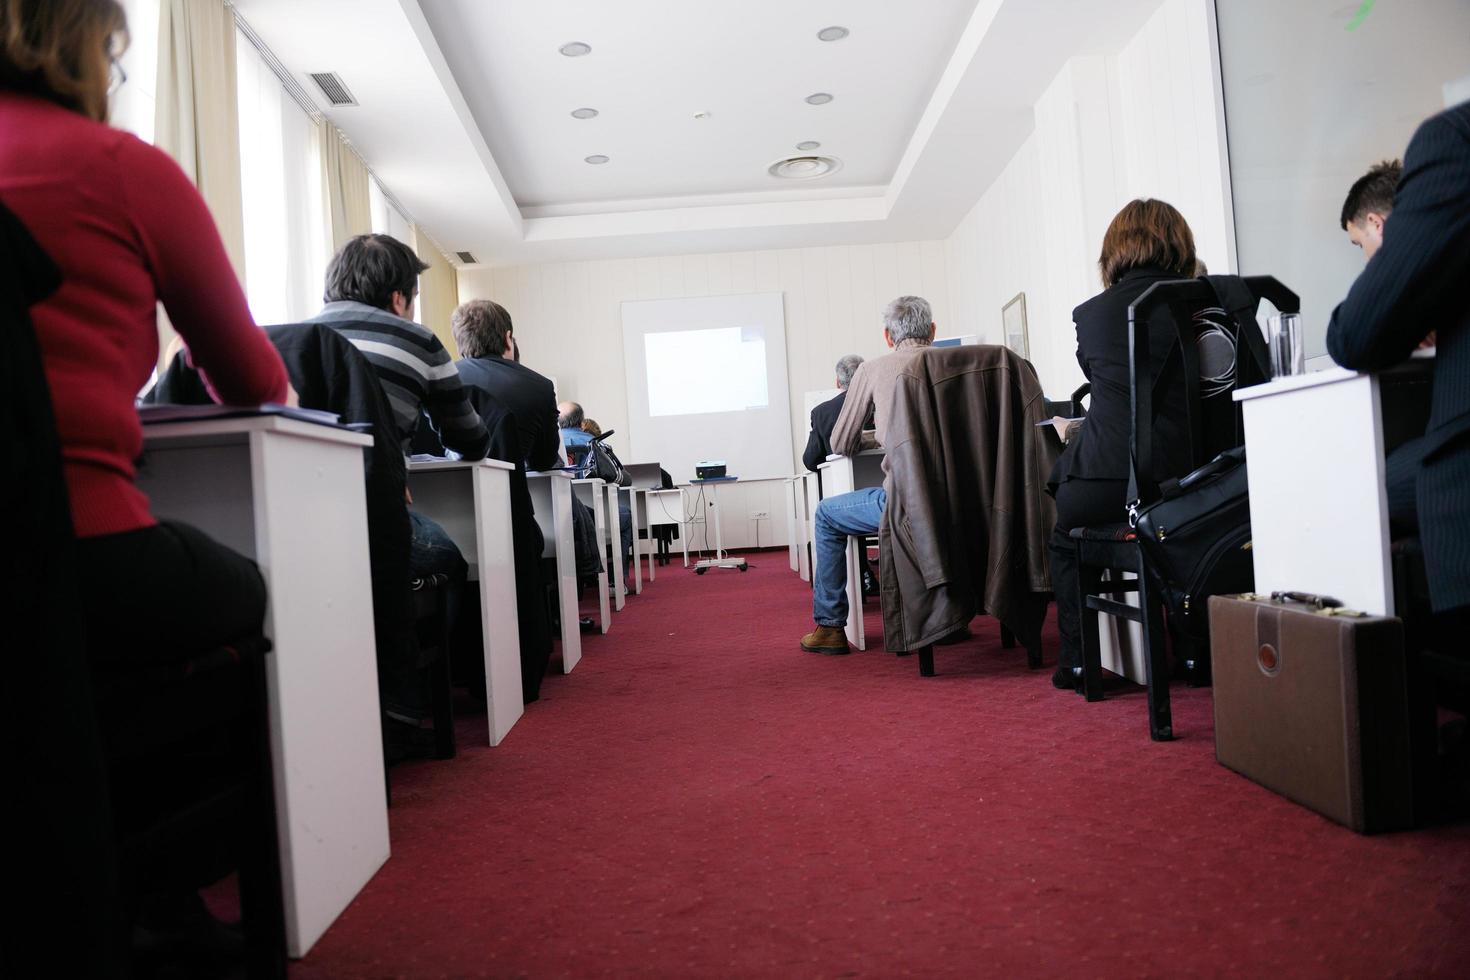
x,y
1013,321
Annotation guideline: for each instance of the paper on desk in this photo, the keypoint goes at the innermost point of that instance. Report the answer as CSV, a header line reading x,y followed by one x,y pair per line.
x,y
1060,424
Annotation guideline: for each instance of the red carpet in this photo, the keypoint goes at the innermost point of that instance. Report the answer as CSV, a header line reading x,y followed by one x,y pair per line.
x,y
700,798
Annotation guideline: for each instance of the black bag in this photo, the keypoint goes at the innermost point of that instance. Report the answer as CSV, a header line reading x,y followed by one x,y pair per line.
x,y
1197,539
605,464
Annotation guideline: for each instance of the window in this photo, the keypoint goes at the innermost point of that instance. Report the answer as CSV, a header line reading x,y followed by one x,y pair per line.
x,y
281,189
133,105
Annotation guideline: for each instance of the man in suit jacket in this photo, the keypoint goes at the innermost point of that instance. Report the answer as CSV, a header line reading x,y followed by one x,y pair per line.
x,y
824,416
486,339
1414,284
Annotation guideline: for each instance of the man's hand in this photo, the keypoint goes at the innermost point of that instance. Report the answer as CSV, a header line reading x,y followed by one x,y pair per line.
x,y
293,400
1428,342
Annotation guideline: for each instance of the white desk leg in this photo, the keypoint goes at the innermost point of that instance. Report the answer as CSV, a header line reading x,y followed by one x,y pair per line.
x,y
856,634
615,551
684,528
791,524
499,629
299,509
642,498
599,512
803,536
566,573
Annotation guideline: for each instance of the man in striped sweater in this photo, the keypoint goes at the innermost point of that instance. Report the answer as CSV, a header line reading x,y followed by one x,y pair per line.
x,y
372,283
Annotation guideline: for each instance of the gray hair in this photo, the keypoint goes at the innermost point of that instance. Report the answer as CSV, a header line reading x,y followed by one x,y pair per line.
x,y
573,419
908,318
847,365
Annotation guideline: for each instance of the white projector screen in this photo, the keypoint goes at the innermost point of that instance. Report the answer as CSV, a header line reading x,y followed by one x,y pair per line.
x,y
707,380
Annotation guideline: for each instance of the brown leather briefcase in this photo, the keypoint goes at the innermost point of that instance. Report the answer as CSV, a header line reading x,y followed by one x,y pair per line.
x,y
1312,702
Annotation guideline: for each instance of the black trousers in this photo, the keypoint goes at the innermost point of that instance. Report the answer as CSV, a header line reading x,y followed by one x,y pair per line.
x,y
151,596
165,592
1080,503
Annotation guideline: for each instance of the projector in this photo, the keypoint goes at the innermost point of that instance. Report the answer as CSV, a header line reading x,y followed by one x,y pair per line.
x,y
709,469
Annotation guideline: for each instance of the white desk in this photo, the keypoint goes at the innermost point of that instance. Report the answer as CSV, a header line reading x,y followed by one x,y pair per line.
x,y
551,495
635,495
665,508
593,492
712,513
844,474
1319,509
290,495
471,501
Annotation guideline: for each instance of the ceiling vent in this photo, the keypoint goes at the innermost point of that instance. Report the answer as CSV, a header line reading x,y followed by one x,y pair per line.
x,y
331,85
466,258
804,167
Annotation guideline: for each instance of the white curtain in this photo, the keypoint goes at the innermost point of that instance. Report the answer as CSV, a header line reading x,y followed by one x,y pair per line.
x,y
346,178
438,291
196,114
285,215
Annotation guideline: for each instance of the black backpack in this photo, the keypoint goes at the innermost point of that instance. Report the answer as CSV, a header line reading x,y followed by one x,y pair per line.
x,y
604,464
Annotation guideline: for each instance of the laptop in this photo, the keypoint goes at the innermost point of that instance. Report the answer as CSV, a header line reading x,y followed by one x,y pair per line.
x,y
645,476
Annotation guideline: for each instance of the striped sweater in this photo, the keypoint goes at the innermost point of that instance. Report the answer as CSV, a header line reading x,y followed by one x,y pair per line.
x,y
415,371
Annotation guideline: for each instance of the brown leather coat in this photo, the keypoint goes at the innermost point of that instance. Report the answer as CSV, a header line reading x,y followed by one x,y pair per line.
x,y
968,515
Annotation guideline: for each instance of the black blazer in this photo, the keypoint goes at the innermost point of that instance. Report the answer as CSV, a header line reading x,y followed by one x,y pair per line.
x,y
819,443
530,398
1100,449
1418,281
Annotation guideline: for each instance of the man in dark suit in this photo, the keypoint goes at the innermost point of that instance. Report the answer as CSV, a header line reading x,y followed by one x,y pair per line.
x,y
487,364
824,416
1415,284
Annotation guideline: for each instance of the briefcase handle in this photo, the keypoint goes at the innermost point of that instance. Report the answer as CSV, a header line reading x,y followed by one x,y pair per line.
x,y
1315,601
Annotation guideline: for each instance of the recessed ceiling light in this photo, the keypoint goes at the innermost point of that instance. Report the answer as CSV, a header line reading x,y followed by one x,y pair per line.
x,y
584,113
597,158
818,98
808,145
804,168
575,49
833,33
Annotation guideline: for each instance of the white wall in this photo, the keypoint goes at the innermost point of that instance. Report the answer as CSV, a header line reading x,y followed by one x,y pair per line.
x,y
569,316
1144,122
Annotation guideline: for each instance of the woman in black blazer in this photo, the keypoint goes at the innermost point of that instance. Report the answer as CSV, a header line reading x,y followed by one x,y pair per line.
x,y
1147,242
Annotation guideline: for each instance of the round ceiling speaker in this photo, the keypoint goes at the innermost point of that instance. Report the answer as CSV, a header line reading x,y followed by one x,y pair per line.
x,y
818,98
833,33
596,158
804,167
584,113
575,49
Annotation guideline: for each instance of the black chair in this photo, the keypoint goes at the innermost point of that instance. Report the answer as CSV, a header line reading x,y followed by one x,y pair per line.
x,y
1216,351
94,824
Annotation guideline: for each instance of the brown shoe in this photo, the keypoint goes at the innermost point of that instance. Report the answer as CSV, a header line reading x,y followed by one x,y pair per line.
x,y
825,639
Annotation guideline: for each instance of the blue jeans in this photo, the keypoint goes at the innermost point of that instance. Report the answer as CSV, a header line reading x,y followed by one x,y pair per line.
x,y
839,518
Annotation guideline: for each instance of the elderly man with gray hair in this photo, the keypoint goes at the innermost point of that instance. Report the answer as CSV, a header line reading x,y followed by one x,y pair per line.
x,y
824,416
908,328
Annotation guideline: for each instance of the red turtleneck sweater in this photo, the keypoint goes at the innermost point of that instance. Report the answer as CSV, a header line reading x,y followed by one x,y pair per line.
x,y
129,230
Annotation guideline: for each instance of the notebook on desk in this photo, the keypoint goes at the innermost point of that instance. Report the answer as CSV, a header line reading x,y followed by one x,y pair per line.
x,y
155,414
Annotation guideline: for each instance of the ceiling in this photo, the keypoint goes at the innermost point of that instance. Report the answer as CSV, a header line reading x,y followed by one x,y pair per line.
x,y
464,112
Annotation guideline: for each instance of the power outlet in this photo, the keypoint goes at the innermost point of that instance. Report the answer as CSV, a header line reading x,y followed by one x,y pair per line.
x,y
760,515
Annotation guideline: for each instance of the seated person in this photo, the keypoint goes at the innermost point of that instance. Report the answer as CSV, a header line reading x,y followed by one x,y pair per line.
x,y
824,416
488,363
1365,211
1147,242
125,229
371,286
1414,282
908,328
577,433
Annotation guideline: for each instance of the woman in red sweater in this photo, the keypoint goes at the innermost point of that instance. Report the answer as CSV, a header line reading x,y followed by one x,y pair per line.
x,y
128,230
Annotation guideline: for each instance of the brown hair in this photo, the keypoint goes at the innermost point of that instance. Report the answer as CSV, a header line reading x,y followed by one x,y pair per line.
x,y
591,427
481,328
62,50
1147,232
